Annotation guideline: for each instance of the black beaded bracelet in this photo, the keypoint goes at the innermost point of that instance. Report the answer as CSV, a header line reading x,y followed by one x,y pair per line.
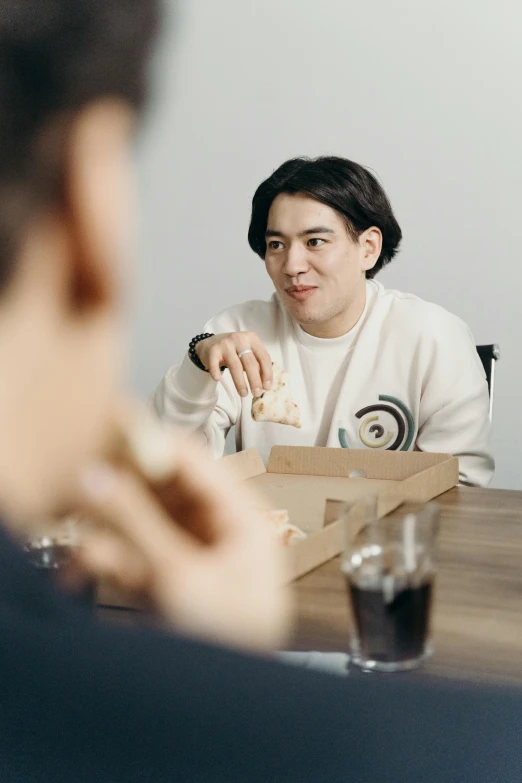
x,y
192,351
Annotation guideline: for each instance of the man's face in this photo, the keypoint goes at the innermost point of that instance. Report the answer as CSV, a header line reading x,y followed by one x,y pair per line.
x,y
316,267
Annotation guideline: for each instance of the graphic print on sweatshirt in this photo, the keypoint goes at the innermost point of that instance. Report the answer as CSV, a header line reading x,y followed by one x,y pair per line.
x,y
387,425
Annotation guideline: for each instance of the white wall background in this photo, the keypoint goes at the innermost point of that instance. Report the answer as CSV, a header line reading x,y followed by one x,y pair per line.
x,y
426,94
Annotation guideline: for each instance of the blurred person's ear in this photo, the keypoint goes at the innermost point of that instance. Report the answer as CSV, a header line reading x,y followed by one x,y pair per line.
x,y
97,191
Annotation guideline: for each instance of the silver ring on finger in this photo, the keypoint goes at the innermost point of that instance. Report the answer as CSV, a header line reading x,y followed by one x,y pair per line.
x,y
244,353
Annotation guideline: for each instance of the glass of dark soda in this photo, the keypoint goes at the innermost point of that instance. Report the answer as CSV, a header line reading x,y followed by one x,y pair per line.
x,y
389,570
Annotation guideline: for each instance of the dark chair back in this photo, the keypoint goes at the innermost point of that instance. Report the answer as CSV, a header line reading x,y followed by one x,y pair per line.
x,y
489,354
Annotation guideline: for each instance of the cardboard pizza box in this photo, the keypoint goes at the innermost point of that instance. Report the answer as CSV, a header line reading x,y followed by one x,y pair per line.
x,y
312,483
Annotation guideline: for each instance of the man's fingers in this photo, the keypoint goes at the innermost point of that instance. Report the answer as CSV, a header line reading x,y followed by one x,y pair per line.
x,y
193,504
236,369
107,556
251,367
265,364
256,362
215,362
126,505
201,493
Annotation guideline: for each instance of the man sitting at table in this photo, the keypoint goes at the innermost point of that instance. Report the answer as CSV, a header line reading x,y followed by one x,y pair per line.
x,y
84,701
369,367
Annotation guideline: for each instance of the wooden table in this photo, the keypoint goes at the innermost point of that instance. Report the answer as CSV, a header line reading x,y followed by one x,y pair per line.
x,y
477,622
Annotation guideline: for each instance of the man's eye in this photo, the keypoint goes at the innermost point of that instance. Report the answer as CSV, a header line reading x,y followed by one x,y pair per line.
x,y
274,245
316,242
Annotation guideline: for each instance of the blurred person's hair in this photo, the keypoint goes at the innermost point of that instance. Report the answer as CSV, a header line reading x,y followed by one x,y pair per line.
x,y
56,57
345,186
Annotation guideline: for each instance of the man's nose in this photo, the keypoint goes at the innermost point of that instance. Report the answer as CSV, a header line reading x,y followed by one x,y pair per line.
x,y
295,261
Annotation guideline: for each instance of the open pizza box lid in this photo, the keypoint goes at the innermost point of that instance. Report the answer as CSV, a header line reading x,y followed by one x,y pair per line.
x,y
312,483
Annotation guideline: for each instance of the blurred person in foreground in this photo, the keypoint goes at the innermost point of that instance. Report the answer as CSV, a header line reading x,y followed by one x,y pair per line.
x,y
82,701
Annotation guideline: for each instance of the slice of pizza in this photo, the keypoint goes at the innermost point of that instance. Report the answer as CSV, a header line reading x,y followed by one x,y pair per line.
x,y
276,404
287,533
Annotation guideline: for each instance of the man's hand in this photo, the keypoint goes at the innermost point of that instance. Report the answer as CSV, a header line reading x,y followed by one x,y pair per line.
x,y
211,564
223,350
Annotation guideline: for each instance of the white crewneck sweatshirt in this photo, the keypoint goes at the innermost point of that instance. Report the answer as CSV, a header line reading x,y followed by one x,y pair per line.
x,y
407,376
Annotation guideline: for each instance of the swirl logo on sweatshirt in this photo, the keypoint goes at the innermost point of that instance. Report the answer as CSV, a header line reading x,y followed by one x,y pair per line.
x,y
374,430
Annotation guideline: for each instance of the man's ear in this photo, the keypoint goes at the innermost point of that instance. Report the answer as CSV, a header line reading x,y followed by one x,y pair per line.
x,y
371,244
96,201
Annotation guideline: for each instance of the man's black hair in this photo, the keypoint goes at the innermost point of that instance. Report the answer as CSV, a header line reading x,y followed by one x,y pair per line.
x,y
343,185
57,56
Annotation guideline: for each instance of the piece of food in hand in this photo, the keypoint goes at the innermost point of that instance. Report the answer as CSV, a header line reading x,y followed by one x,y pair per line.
x,y
140,443
276,405
287,533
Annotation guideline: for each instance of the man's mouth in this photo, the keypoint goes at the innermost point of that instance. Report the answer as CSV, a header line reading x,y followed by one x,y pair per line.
x,y
300,292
